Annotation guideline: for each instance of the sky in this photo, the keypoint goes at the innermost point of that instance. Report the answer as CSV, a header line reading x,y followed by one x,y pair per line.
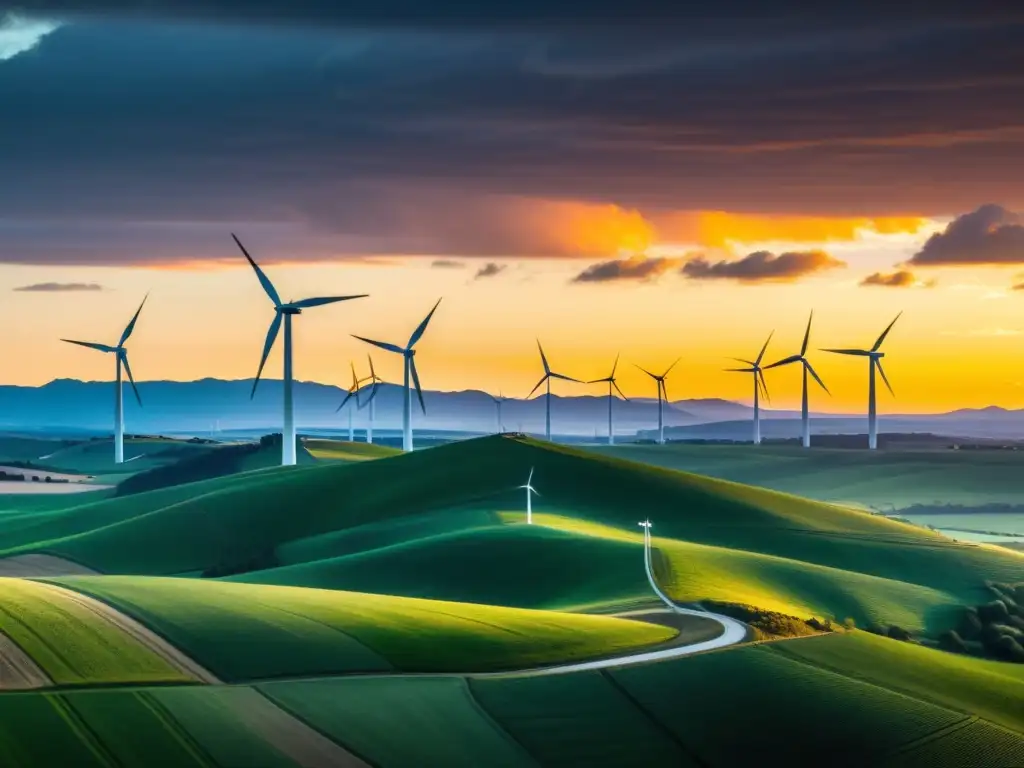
x,y
608,178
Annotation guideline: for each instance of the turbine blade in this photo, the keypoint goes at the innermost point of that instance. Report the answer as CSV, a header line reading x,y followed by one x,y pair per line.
x,y
740,370
92,345
646,371
764,348
534,491
131,379
614,366
530,478
264,280
598,381
671,367
860,352
131,326
369,399
543,358
355,378
885,333
542,380
275,326
416,383
373,374
616,385
664,388
764,385
564,378
382,344
817,378
348,396
422,326
807,334
785,361
319,302
881,370
751,363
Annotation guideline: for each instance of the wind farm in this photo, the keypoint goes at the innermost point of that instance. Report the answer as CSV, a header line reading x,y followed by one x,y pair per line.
x,y
390,543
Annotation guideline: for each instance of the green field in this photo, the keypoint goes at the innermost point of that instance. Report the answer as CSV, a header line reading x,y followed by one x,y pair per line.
x,y
248,631
880,479
70,643
402,525
342,450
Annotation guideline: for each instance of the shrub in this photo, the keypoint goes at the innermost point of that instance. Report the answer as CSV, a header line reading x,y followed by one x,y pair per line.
x,y
849,623
1006,629
993,613
970,624
898,633
1008,649
952,642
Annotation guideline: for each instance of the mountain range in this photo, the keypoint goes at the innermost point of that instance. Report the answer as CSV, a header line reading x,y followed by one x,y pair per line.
x,y
208,405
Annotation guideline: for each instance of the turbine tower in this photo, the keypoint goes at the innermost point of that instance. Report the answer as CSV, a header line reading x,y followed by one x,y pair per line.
x,y
498,401
352,391
284,312
530,492
662,390
801,358
374,380
121,360
874,362
547,377
759,385
409,357
610,378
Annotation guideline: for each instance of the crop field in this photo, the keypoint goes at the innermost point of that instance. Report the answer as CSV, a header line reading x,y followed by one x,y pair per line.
x,y
71,644
247,631
877,478
967,744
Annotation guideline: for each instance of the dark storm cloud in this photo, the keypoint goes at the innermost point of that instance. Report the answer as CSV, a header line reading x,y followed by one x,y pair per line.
x,y
59,287
762,266
489,269
360,140
625,269
447,264
899,279
989,235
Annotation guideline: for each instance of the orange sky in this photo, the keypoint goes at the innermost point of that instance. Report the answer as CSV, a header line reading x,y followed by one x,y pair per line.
x,y
956,345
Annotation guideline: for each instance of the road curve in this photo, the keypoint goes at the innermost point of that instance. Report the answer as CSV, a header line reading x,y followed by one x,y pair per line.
x,y
733,632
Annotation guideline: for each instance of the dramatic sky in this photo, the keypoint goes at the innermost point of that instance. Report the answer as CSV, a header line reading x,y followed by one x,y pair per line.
x,y
607,177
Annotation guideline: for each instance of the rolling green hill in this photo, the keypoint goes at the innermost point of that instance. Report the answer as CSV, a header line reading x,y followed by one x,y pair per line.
x,y
448,506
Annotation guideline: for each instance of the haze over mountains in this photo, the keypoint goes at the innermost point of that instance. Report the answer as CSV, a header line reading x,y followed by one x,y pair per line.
x,y
202,406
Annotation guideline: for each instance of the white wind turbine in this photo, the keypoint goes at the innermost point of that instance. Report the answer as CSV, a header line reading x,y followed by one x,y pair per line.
x,y
530,492
759,385
610,378
662,390
375,381
285,312
121,358
498,402
352,391
408,354
547,377
874,362
800,358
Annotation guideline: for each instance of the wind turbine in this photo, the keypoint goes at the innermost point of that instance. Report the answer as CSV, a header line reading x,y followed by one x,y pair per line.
x,y
374,380
409,356
547,377
610,378
352,391
759,384
121,358
874,362
800,358
498,401
662,389
529,499
285,312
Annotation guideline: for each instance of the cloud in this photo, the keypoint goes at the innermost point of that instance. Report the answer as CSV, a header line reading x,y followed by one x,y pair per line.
x,y
447,264
60,287
988,235
636,268
762,266
490,269
18,34
425,133
900,279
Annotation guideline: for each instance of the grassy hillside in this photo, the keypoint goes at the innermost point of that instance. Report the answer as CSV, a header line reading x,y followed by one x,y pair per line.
x,y
342,450
720,540
71,644
245,631
876,478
